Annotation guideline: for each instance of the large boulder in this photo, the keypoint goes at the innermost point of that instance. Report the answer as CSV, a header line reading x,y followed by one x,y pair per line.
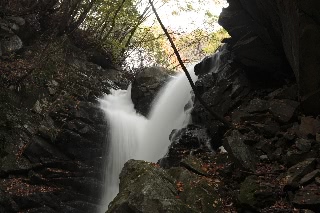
x,y
146,188
145,87
9,41
187,141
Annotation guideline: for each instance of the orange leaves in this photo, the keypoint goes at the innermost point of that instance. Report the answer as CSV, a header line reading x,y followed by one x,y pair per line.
x,y
179,186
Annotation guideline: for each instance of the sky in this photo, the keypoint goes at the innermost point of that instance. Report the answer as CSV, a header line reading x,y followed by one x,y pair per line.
x,y
186,21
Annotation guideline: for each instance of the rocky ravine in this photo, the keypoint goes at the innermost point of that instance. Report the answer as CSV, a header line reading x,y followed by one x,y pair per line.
x,y
52,132
266,84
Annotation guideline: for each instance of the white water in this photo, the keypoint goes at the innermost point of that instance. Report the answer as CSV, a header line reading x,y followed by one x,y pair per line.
x,y
133,136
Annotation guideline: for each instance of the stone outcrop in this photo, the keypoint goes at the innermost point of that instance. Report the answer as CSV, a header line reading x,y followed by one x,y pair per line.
x,y
145,87
270,160
145,187
53,134
270,35
10,42
264,80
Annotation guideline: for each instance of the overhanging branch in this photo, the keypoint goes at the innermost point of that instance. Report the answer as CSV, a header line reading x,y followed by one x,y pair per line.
x,y
202,102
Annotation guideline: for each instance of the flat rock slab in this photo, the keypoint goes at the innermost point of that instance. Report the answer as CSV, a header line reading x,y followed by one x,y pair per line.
x,y
283,110
243,154
296,172
308,198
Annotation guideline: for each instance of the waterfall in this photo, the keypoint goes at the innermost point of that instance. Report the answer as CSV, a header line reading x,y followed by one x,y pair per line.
x,y
132,136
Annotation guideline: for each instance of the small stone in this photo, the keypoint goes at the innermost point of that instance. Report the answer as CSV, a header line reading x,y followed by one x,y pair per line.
x,y
257,105
264,157
37,107
303,145
309,126
11,44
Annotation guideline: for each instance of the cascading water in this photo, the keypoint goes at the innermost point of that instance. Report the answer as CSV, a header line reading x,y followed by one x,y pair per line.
x,y
132,136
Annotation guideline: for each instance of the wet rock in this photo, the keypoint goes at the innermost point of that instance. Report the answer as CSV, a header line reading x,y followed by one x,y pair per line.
x,y
88,186
288,92
193,164
12,163
256,194
196,191
265,145
231,87
308,197
293,157
283,110
153,190
243,154
17,20
37,107
263,157
146,86
269,129
310,177
103,60
52,87
296,172
40,151
214,63
7,204
303,145
186,141
35,178
317,180
257,105
255,47
309,126
309,78
11,44
74,145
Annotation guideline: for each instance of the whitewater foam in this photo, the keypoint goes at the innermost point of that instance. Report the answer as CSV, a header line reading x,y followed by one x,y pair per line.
x,y
132,136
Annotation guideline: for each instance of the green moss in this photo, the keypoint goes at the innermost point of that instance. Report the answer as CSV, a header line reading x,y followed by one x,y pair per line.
x,y
247,190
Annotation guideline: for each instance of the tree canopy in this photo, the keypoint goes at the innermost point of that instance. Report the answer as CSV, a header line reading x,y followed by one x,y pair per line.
x,y
127,28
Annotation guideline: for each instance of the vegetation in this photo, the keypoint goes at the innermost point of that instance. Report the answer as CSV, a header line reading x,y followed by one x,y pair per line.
x,y
119,28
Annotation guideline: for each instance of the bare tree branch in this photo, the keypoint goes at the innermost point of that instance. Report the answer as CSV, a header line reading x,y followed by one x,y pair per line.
x,y
202,102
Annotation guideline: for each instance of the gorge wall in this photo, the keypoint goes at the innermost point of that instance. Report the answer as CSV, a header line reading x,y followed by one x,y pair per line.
x,y
52,132
265,80
267,84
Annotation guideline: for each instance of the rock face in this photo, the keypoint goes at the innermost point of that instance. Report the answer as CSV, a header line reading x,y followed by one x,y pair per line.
x,y
270,160
145,187
265,35
10,42
145,87
53,133
157,190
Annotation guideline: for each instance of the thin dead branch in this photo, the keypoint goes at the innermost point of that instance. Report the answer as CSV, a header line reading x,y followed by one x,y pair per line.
x,y
202,102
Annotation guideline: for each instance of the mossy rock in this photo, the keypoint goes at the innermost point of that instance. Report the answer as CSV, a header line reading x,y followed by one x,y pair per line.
x,y
248,187
144,187
256,194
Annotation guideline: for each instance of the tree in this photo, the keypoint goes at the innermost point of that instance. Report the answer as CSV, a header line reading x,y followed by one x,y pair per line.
x,y
193,45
